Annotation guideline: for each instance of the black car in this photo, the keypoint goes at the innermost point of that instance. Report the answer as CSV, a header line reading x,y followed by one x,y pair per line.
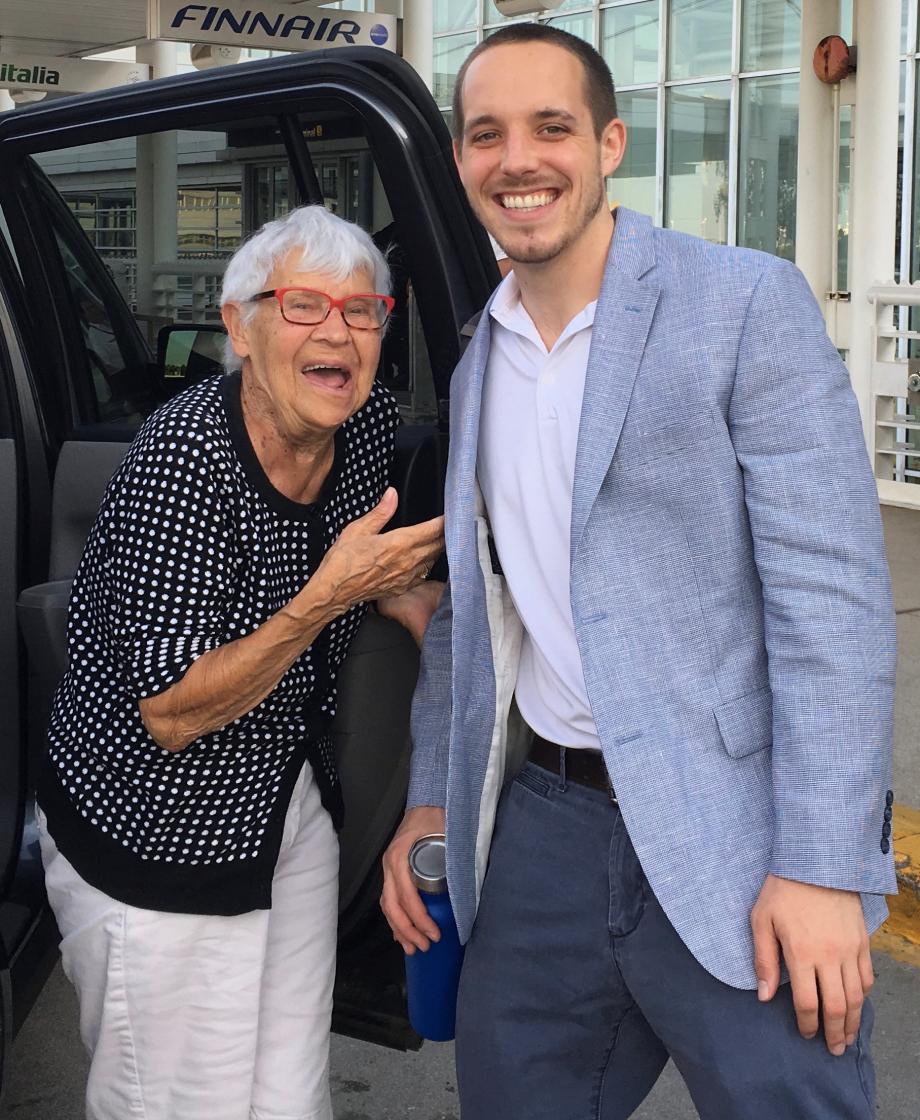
x,y
96,331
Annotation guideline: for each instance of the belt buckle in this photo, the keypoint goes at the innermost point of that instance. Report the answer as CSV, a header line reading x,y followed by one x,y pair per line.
x,y
610,793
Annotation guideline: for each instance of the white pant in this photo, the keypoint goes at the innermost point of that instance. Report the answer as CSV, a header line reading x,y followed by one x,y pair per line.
x,y
202,1017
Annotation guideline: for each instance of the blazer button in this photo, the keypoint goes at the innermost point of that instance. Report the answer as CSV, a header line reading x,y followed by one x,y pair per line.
x,y
889,798
886,830
885,845
888,813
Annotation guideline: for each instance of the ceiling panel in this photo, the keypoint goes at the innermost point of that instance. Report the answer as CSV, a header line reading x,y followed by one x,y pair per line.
x,y
58,27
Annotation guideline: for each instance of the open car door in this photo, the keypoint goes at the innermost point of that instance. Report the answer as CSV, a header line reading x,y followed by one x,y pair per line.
x,y
89,295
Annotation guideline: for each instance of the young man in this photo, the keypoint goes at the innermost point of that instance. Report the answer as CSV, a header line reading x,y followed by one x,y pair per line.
x,y
664,540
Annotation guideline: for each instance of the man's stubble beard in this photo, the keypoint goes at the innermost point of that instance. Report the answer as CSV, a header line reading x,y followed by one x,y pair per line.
x,y
542,254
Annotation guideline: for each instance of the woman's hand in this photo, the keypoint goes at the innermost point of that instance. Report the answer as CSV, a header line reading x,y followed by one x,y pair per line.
x,y
365,563
414,608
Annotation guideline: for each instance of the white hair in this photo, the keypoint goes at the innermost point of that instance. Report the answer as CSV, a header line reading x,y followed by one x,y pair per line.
x,y
327,244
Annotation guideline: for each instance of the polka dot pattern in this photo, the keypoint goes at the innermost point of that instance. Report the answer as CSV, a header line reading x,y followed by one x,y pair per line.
x,y
192,548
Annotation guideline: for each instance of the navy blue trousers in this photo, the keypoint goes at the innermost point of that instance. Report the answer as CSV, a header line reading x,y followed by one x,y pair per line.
x,y
576,989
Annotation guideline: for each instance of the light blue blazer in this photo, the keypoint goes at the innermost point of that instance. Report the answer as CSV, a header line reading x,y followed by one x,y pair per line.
x,y
729,590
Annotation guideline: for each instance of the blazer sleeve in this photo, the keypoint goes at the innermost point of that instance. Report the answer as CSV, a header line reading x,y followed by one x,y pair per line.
x,y
828,614
431,711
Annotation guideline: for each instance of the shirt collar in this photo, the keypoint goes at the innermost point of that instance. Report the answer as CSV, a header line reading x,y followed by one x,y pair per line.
x,y
508,311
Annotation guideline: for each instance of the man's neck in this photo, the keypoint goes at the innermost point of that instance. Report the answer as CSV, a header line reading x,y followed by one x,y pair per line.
x,y
553,293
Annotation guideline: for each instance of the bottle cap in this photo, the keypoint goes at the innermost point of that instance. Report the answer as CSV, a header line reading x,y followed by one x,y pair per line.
x,y
428,864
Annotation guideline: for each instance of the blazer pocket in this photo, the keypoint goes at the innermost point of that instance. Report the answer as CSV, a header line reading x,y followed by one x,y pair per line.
x,y
653,441
746,723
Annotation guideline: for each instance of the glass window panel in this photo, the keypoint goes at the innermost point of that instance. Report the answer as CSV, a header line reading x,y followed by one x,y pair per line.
x,y
905,16
449,53
455,15
845,140
771,33
582,26
696,198
633,184
899,231
915,239
846,19
700,38
629,43
767,164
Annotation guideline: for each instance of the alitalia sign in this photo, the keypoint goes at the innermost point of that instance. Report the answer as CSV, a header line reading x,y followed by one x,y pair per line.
x,y
272,26
67,75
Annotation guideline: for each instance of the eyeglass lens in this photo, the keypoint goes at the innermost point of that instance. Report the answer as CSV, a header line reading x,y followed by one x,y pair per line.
x,y
363,312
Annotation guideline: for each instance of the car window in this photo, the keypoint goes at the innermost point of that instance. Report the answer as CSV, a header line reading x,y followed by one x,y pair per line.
x,y
162,255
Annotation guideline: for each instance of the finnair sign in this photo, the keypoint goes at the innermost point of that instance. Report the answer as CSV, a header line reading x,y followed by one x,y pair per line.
x,y
269,26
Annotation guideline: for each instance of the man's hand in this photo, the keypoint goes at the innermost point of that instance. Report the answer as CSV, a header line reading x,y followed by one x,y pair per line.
x,y
412,925
824,943
414,608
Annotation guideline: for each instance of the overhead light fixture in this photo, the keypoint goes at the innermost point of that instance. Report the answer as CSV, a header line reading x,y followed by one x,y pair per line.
x,y
205,56
526,7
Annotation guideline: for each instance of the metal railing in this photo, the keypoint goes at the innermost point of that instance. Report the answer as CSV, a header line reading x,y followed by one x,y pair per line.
x,y
895,393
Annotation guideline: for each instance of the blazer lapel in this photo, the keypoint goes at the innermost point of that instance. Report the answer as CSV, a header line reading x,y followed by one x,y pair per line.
x,y
465,408
625,309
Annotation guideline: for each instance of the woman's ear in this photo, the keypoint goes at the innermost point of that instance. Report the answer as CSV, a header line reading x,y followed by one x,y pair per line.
x,y
237,330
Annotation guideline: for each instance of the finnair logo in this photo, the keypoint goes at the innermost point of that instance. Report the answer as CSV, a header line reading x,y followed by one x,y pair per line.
x,y
253,21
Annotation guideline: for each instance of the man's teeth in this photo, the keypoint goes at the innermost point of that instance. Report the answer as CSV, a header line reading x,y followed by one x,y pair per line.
x,y
527,201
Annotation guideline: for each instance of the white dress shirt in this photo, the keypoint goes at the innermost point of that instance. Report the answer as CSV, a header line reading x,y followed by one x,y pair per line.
x,y
528,435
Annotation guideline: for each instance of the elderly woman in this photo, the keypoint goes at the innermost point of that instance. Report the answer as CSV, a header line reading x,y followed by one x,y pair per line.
x,y
189,803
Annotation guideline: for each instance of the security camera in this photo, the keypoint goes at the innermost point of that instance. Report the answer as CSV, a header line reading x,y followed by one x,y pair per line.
x,y
525,7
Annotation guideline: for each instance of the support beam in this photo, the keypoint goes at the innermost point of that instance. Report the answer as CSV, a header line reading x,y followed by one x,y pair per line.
x,y
156,187
816,210
877,32
418,37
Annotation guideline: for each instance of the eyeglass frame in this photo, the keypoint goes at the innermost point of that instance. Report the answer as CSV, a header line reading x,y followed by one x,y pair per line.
x,y
339,304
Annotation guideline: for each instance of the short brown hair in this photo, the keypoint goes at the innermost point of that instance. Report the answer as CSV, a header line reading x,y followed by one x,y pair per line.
x,y
599,88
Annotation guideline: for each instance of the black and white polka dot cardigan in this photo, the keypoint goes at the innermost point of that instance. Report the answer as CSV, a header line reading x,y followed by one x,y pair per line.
x,y
192,548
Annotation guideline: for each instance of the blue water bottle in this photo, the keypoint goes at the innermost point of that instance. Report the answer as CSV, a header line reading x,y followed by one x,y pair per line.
x,y
432,976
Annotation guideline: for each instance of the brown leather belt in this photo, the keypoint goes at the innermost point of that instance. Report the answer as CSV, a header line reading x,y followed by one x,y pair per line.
x,y
582,764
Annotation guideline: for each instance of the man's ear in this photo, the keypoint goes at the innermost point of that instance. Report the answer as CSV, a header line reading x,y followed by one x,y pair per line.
x,y
236,329
613,146
458,152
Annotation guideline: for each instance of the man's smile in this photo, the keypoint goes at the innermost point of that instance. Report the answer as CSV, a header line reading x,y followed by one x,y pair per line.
x,y
532,200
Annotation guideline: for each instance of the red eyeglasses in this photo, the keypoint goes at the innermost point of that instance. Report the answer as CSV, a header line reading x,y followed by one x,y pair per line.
x,y
364,311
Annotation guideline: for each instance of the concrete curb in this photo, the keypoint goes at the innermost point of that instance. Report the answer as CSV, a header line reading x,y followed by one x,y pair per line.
x,y
903,924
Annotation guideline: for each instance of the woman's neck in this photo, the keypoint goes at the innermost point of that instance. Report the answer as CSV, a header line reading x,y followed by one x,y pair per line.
x,y
296,464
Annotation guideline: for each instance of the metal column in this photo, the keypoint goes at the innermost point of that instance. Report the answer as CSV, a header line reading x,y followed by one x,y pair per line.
x,y
816,192
157,191
877,32
418,37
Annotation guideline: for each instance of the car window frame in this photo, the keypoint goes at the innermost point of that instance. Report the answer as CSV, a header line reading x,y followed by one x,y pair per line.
x,y
443,241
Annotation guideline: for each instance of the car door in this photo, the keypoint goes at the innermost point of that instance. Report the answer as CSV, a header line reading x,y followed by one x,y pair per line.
x,y
90,294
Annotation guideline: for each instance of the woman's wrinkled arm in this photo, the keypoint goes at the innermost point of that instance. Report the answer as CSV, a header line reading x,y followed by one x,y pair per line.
x,y
226,683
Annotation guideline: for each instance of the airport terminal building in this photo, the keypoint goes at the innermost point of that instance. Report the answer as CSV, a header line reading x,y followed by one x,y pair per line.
x,y
732,137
